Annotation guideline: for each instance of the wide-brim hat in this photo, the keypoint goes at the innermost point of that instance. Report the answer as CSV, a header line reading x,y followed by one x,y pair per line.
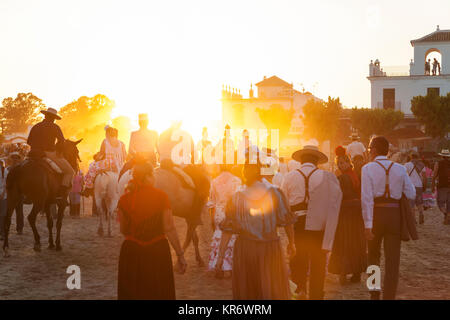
x,y
354,136
312,150
51,112
444,153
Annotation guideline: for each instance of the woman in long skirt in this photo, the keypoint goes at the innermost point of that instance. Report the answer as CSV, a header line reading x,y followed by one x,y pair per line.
x,y
349,248
222,189
145,263
259,267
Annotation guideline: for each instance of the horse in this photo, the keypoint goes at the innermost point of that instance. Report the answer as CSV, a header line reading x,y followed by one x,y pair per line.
x,y
106,197
182,198
34,179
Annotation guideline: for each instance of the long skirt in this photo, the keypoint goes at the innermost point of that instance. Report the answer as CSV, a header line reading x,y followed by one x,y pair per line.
x,y
259,271
145,272
349,254
227,265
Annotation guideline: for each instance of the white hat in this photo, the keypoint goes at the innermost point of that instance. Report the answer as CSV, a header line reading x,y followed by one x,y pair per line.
x,y
51,112
444,153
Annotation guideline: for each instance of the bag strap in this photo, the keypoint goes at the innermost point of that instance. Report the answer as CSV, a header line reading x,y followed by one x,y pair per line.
x,y
387,192
306,177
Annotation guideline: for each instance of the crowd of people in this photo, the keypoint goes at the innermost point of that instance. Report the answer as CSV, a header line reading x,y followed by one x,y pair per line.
x,y
334,222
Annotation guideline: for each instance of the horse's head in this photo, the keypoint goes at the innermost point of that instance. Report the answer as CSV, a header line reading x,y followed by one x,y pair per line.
x,y
71,153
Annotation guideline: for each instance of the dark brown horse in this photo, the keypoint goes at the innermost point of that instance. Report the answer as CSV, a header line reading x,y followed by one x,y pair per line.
x,y
34,180
185,202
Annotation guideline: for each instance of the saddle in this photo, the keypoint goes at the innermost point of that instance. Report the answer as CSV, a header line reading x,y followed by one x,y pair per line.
x,y
185,178
46,163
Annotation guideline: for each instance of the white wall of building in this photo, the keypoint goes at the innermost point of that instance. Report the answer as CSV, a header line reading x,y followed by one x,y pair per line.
x,y
406,88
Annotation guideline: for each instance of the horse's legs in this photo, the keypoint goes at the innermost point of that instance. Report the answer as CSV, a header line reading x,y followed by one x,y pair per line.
x,y
99,210
196,241
12,201
108,217
48,214
61,208
37,207
188,238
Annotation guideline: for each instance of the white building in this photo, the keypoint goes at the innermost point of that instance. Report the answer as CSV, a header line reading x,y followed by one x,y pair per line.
x,y
393,88
240,112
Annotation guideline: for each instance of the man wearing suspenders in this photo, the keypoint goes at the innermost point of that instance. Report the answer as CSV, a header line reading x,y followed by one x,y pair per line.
x,y
382,184
316,223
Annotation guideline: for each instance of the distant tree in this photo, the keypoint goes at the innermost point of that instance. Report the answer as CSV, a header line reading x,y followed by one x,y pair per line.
x,y
276,117
374,121
433,111
18,114
321,119
86,118
85,113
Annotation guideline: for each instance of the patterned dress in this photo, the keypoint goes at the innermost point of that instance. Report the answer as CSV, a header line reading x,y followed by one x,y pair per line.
x,y
222,189
114,160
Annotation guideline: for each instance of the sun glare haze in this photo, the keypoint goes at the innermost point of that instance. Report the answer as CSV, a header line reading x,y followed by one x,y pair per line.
x,y
171,58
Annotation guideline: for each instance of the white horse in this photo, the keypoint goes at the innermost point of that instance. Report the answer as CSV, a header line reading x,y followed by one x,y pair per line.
x,y
106,197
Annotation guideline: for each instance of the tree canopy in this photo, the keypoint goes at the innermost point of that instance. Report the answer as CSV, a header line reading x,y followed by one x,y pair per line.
x,y
321,119
86,118
85,113
374,121
16,115
433,111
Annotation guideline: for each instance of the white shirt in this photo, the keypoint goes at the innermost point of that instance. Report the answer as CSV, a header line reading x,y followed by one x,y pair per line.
x,y
277,179
355,148
294,165
293,185
416,179
373,180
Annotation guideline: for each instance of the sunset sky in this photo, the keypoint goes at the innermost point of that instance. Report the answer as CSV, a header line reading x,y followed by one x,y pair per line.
x,y
170,58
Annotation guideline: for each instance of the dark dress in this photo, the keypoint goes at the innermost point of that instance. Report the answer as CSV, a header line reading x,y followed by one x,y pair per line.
x,y
145,263
349,254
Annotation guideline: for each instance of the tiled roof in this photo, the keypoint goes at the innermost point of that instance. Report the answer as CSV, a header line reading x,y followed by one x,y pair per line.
x,y
437,36
273,81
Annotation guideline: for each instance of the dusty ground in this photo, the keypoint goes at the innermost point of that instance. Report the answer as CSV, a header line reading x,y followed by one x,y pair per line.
x,y
425,265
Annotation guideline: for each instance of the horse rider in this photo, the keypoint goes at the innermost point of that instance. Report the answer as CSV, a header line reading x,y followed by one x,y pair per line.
x,y
143,145
111,157
144,142
42,138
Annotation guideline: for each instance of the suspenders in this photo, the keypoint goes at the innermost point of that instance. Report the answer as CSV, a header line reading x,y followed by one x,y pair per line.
x,y
387,193
304,204
306,177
